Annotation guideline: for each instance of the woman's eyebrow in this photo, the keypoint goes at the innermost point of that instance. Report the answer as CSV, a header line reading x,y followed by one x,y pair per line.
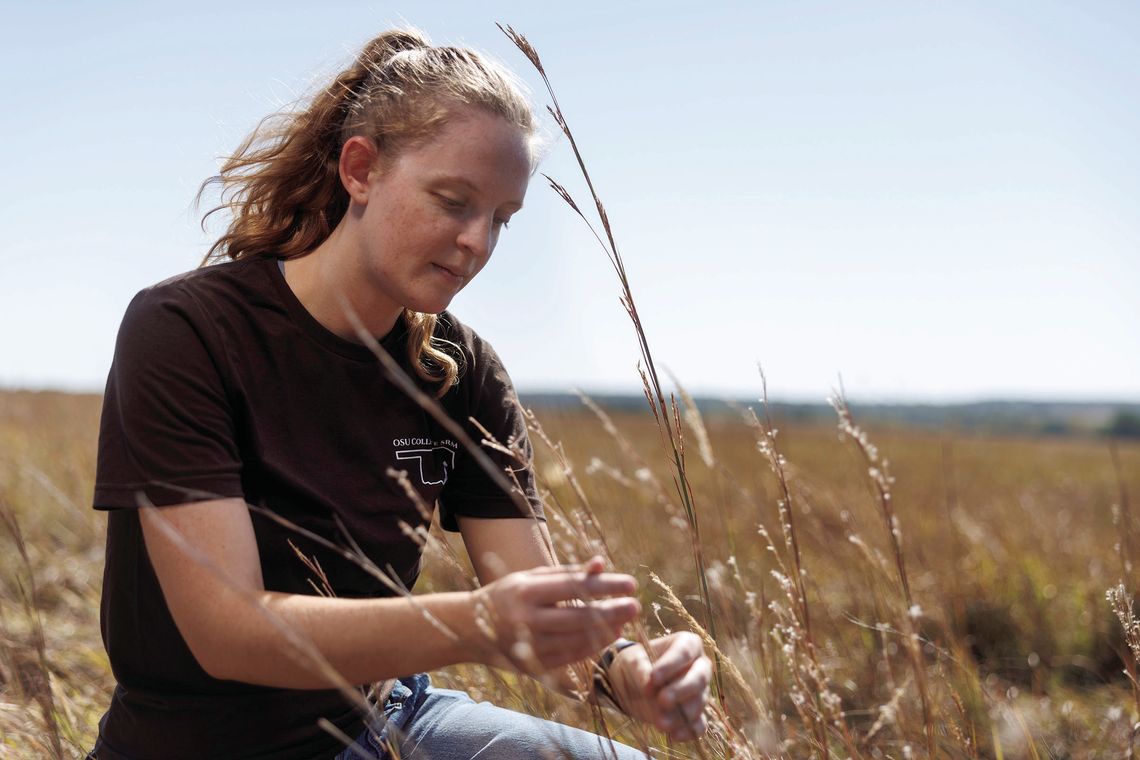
x,y
455,179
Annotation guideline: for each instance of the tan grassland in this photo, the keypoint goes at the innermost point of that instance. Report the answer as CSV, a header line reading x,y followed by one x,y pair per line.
x,y
1009,548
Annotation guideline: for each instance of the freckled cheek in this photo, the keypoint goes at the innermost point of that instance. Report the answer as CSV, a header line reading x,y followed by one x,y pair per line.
x,y
429,225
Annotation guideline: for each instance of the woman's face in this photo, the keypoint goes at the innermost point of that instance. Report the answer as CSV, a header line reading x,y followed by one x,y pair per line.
x,y
433,213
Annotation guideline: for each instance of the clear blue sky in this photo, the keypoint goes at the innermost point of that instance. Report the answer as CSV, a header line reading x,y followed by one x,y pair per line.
x,y
941,201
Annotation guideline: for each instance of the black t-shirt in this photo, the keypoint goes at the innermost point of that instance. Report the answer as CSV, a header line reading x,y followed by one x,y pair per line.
x,y
223,385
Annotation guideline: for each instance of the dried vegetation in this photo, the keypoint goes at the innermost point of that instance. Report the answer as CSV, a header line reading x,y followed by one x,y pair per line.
x,y
1009,547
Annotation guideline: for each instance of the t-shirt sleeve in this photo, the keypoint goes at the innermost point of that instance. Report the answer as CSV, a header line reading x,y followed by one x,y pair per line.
x,y
167,433
489,397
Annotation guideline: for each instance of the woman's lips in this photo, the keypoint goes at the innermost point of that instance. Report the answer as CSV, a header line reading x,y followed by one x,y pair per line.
x,y
451,274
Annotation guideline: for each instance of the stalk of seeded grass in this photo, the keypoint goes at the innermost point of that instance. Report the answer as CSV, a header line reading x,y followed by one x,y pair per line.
x,y
669,429
767,447
321,585
1119,599
950,505
589,533
971,741
788,629
640,467
715,710
1124,525
811,675
29,597
881,478
696,422
1121,603
735,675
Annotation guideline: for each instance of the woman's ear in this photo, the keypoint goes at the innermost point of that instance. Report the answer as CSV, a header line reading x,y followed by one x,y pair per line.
x,y
357,162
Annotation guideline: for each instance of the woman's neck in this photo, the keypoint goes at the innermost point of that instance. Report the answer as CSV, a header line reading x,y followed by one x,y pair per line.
x,y
328,285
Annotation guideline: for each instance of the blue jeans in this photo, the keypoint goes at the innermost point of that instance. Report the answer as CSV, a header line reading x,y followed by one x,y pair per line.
x,y
441,724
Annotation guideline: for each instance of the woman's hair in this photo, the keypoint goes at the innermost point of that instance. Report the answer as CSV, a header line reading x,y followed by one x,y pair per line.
x,y
282,186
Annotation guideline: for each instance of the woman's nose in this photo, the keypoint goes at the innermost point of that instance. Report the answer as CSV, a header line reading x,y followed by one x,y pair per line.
x,y
478,236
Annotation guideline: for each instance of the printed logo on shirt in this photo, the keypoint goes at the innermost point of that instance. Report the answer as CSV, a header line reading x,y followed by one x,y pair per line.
x,y
433,459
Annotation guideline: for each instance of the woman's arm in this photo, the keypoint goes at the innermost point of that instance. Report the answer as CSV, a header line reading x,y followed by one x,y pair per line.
x,y
210,587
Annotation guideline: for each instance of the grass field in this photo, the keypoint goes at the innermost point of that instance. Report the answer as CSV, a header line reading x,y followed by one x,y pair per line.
x,y
1006,646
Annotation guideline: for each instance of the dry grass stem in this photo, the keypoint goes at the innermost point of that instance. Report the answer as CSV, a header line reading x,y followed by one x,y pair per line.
x,y
36,681
669,425
878,471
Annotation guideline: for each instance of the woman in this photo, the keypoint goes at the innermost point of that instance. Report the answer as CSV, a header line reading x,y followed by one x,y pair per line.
x,y
246,382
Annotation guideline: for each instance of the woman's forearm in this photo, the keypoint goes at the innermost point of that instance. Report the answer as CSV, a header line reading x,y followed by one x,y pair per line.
x,y
281,639
205,556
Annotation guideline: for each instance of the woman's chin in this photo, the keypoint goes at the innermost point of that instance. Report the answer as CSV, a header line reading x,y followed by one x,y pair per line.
x,y
429,305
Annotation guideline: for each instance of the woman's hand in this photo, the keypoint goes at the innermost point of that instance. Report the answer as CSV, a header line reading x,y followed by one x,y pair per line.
x,y
544,618
669,693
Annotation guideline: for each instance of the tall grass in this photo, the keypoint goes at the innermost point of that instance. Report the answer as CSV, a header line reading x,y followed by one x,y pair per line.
x,y
1019,646
54,675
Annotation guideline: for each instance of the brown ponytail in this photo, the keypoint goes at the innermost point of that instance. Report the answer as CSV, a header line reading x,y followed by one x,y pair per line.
x,y
282,186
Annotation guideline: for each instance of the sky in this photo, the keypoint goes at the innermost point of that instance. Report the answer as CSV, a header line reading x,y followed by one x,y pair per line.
x,y
937,202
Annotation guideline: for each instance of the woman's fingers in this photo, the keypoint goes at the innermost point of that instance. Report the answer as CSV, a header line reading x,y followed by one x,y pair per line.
x,y
691,684
570,634
675,653
561,603
566,585
694,707
684,730
603,613
686,721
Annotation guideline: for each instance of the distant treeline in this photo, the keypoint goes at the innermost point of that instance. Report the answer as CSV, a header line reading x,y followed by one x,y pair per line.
x,y
1116,419
1120,420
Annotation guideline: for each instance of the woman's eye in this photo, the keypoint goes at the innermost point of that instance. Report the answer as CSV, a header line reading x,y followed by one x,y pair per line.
x,y
450,202
504,223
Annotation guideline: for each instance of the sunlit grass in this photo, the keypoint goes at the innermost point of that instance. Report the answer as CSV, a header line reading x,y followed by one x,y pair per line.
x,y
1009,546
